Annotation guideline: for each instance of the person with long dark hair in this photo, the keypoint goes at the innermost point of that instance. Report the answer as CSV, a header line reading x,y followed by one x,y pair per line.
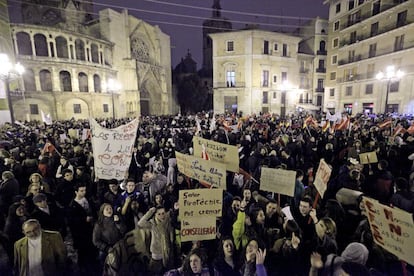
x,y
226,261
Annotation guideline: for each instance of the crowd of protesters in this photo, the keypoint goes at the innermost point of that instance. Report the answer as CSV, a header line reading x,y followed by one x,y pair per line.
x,y
131,227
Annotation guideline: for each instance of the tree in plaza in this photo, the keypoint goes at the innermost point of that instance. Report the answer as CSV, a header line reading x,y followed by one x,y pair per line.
x,y
193,95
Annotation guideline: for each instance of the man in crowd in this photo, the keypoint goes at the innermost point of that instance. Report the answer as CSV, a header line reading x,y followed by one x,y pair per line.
x,y
40,252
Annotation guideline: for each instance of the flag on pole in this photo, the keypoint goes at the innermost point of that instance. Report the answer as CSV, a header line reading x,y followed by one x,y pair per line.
x,y
47,119
386,123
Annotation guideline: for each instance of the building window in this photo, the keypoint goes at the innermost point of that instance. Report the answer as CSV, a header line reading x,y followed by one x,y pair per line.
x,y
61,47
231,78
77,108
95,53
265,97
97,83
284,76
40,45
353,37
336,26
360,2
338,8
275,47
29,80
274,78
394,86
374,29
34,109
369,88
351,56
265,78
230,46
399,43
105,108
83,82
351,4
354,18
372,50
320,84
332,92
371,70
285,50
65,81
335,43
265,47
334,59
274,95
45,80
348,91
402,18
79,49
333,76
376,7
24,44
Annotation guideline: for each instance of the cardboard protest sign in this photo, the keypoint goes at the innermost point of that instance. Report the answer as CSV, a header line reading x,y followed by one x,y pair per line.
x,y
200,203
198,229
218,152
392,229
209,172
112,149
278,181
322,177
368,157
73,133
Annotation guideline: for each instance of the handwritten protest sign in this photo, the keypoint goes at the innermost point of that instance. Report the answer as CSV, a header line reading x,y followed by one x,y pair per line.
x,y
209,172
368,157
218,152
73,133
278,181
112,149
199,209
198,229
392,229
322,177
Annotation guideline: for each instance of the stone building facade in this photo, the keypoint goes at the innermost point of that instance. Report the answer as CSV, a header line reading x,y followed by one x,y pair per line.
x,y
260,71
365,37
69,65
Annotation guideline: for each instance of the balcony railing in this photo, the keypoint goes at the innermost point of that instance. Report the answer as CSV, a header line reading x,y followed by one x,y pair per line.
x,y
320,89
384,29
304,101
369,14
322,52
229,84
304,86
303,70
320,70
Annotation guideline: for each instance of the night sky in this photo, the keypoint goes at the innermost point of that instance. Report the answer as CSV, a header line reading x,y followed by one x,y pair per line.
x,y
186,32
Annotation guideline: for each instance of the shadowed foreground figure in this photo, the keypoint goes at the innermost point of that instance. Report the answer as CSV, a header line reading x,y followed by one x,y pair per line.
x,y
40,252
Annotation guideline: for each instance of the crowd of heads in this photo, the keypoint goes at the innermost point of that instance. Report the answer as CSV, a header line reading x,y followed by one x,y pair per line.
x,y
45,170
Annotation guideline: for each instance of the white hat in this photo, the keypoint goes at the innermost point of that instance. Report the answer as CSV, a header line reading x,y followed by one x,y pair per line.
x,y
353,161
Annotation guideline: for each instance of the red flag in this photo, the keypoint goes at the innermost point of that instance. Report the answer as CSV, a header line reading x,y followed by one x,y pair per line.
x,y
410,130
399,129
326,126
344,124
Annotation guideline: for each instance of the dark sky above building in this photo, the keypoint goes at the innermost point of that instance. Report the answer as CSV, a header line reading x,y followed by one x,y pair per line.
x,y
183,19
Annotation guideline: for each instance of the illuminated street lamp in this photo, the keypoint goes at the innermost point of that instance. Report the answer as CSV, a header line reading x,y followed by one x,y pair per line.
x,y
113,86
8,72
390,75
286,86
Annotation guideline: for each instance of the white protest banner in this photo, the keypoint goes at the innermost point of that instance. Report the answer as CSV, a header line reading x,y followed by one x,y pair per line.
x,y
209,172
198,229
392,229
278,181
368,157
200,203
322,177
86,134
112,149
218,152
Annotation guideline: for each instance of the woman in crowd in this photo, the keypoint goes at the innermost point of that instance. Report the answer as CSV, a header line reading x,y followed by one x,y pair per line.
x,y
325,241
225,264
194,264
13,228
107,230
253,259
36,178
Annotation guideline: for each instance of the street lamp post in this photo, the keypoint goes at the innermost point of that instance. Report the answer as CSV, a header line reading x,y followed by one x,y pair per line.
x,y
9,71
113,86
390,75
